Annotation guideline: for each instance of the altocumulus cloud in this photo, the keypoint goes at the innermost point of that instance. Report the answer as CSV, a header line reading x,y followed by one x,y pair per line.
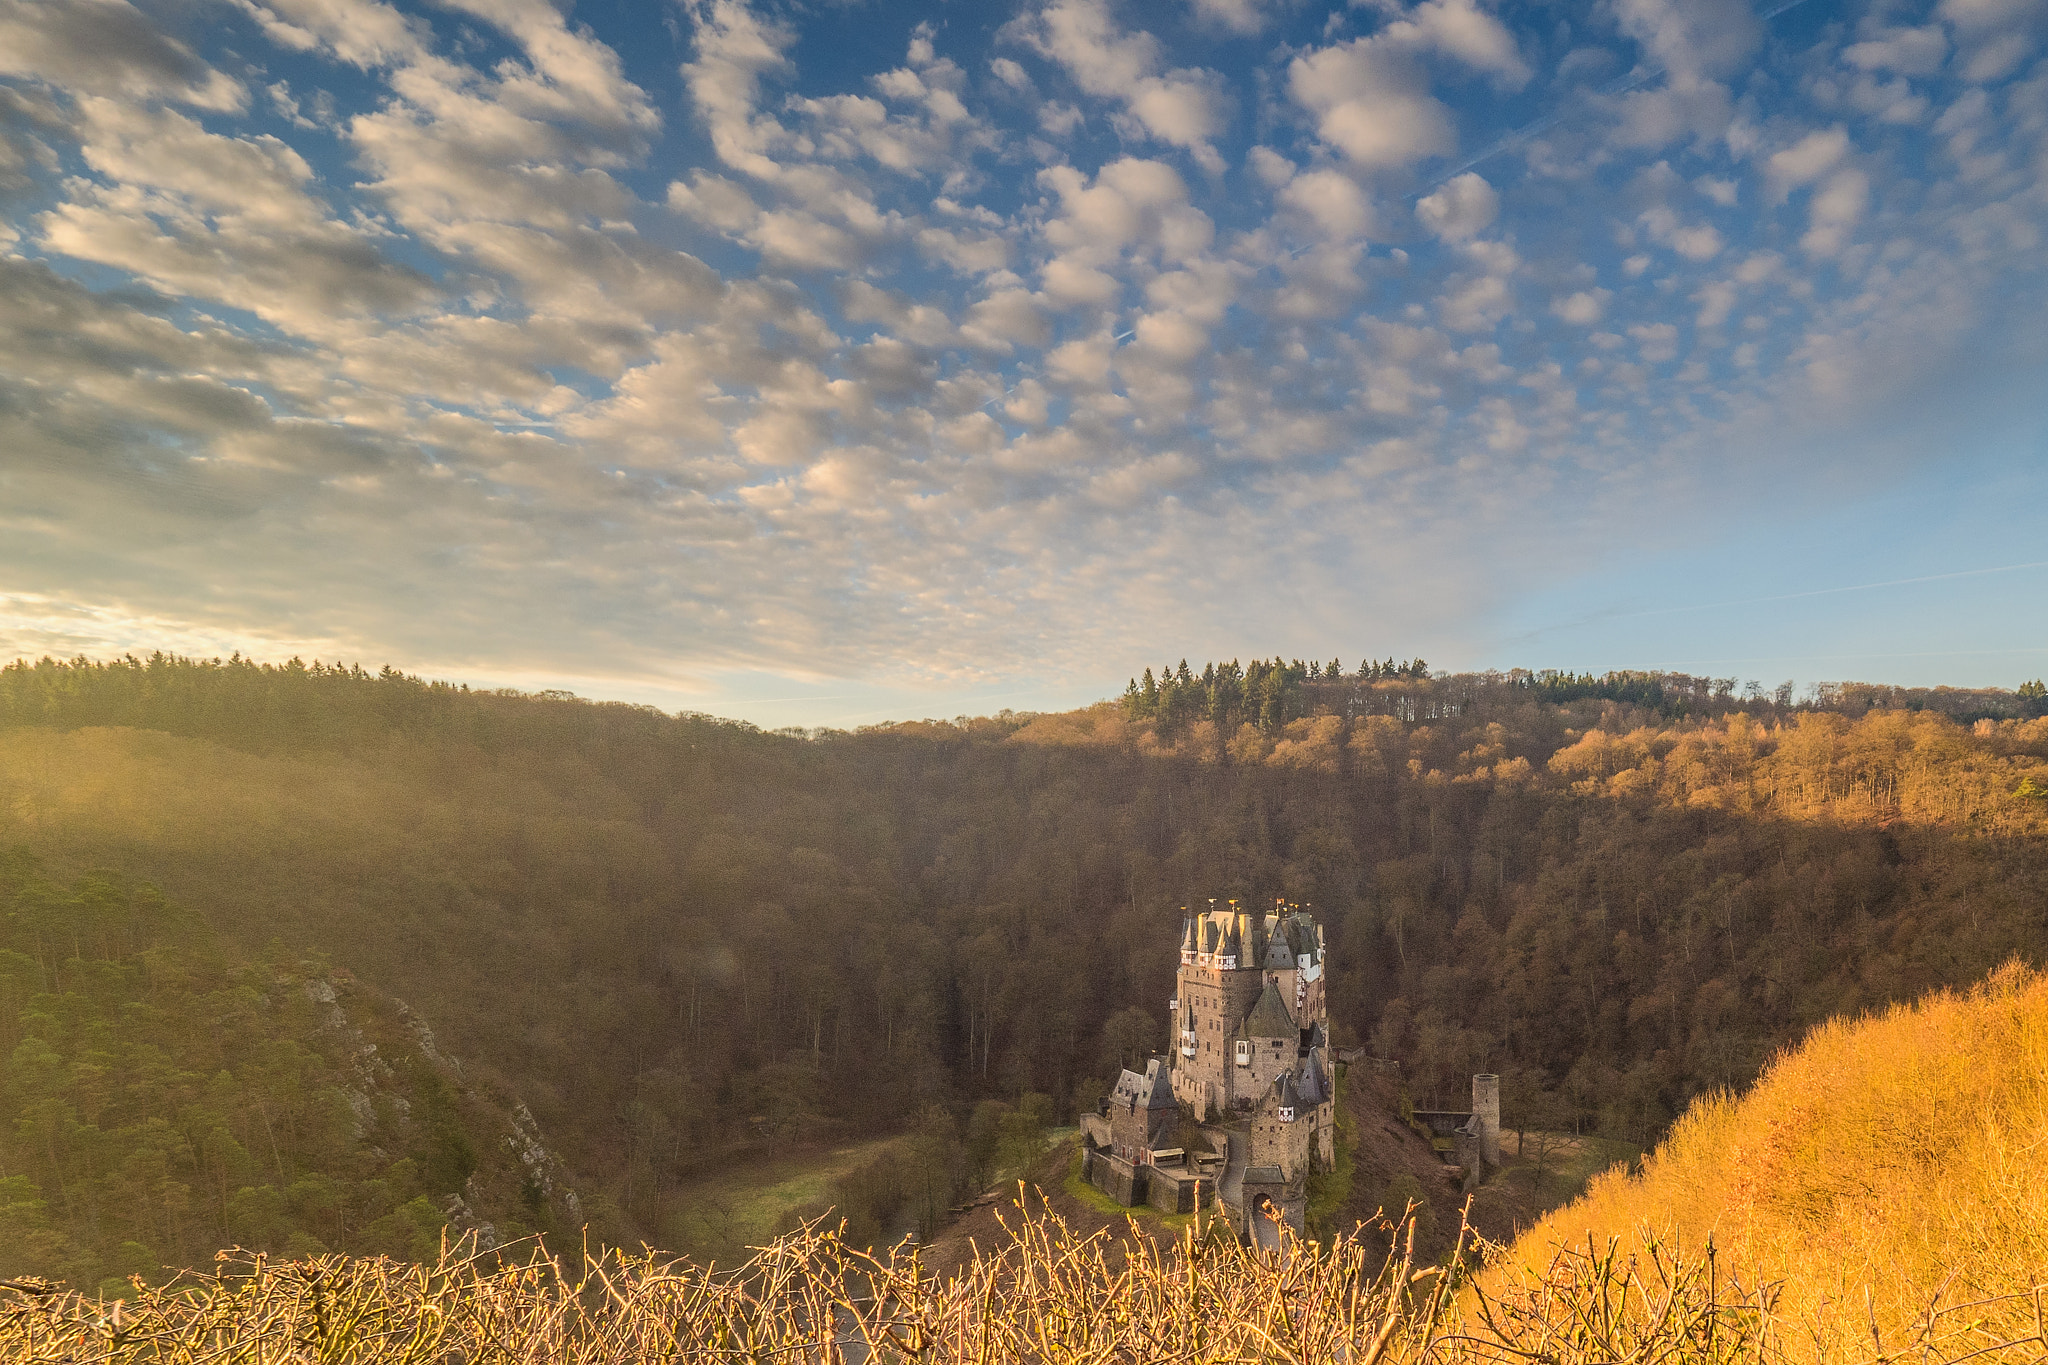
x,y
911,344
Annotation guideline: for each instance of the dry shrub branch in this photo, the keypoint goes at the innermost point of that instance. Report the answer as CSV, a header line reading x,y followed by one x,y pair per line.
x,y
1049,1295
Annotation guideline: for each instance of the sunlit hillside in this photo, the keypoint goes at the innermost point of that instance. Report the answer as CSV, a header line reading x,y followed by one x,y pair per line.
x,y
1885,1167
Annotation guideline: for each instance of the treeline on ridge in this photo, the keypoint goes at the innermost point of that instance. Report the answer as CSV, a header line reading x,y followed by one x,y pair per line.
x,y
1267,694
682,942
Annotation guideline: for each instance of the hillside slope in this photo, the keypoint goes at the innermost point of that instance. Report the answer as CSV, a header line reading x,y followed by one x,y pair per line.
x,y
167,1097
683,942
1884,1165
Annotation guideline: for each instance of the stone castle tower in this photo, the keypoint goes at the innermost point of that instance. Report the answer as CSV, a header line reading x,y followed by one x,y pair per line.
x,y
1248,1061
1251,1051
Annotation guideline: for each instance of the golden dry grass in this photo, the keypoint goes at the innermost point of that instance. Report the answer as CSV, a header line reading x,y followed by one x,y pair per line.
x,y
1885,1167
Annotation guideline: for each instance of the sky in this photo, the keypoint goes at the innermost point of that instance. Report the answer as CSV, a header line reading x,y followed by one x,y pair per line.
x,y
827,363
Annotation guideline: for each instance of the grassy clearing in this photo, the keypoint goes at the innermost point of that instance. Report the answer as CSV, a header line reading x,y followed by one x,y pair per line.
x,y
745,1207
1549,1170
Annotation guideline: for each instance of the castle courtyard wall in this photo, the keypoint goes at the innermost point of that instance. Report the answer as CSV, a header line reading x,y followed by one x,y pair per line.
x,y
1117,1178
1172,1191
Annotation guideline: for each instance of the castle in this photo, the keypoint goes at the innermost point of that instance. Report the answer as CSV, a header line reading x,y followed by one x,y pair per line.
x,y
1243,1106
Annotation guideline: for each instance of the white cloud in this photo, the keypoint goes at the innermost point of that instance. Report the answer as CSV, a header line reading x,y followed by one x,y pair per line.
x,y
1272,169
222,218
1058,119
1238,16
1906,51
715,202
1716,300
1583,308
1185,108
108,47
1460,208
1656,342
1133,205
1694,241
363,33
1370,97
1476,303
1805,161
494,412
736,48
1694,40
1722,192
1835,211
1011,74
1331,201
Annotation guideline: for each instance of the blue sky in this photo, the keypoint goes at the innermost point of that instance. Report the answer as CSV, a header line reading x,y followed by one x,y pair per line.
x,y
826,363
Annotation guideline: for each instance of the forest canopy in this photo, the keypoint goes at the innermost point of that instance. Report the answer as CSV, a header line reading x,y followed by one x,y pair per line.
x,y
677,940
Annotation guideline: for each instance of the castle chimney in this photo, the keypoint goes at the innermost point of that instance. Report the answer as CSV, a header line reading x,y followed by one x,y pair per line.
x,y
1486,1106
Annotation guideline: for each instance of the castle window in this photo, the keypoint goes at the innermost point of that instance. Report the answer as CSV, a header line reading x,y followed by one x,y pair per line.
x,y
1244,1054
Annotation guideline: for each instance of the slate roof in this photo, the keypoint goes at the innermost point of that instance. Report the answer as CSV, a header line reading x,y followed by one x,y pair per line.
x,y
1314,1085
1129,1086
1301,935
1158,1093
1269,1018
1279,957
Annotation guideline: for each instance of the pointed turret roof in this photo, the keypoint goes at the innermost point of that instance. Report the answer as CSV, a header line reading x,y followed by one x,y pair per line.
x,y
1313,1083
1279,957
1158,1093
1269,1018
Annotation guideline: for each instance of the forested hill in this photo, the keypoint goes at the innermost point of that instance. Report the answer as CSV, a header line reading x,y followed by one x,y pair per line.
x,y
678,939
167,1096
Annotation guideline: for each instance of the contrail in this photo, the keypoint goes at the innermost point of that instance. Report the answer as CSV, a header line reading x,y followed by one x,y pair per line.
x,y
1600,617
1543,125
1830,658
1829,592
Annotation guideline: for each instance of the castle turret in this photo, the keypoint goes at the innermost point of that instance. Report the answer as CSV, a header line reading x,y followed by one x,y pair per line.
x,y
1288,1100
1279,957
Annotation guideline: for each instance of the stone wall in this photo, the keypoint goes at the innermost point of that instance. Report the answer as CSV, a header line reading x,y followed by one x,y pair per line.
x,y
1283,1145
1117,1178
1174,1191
